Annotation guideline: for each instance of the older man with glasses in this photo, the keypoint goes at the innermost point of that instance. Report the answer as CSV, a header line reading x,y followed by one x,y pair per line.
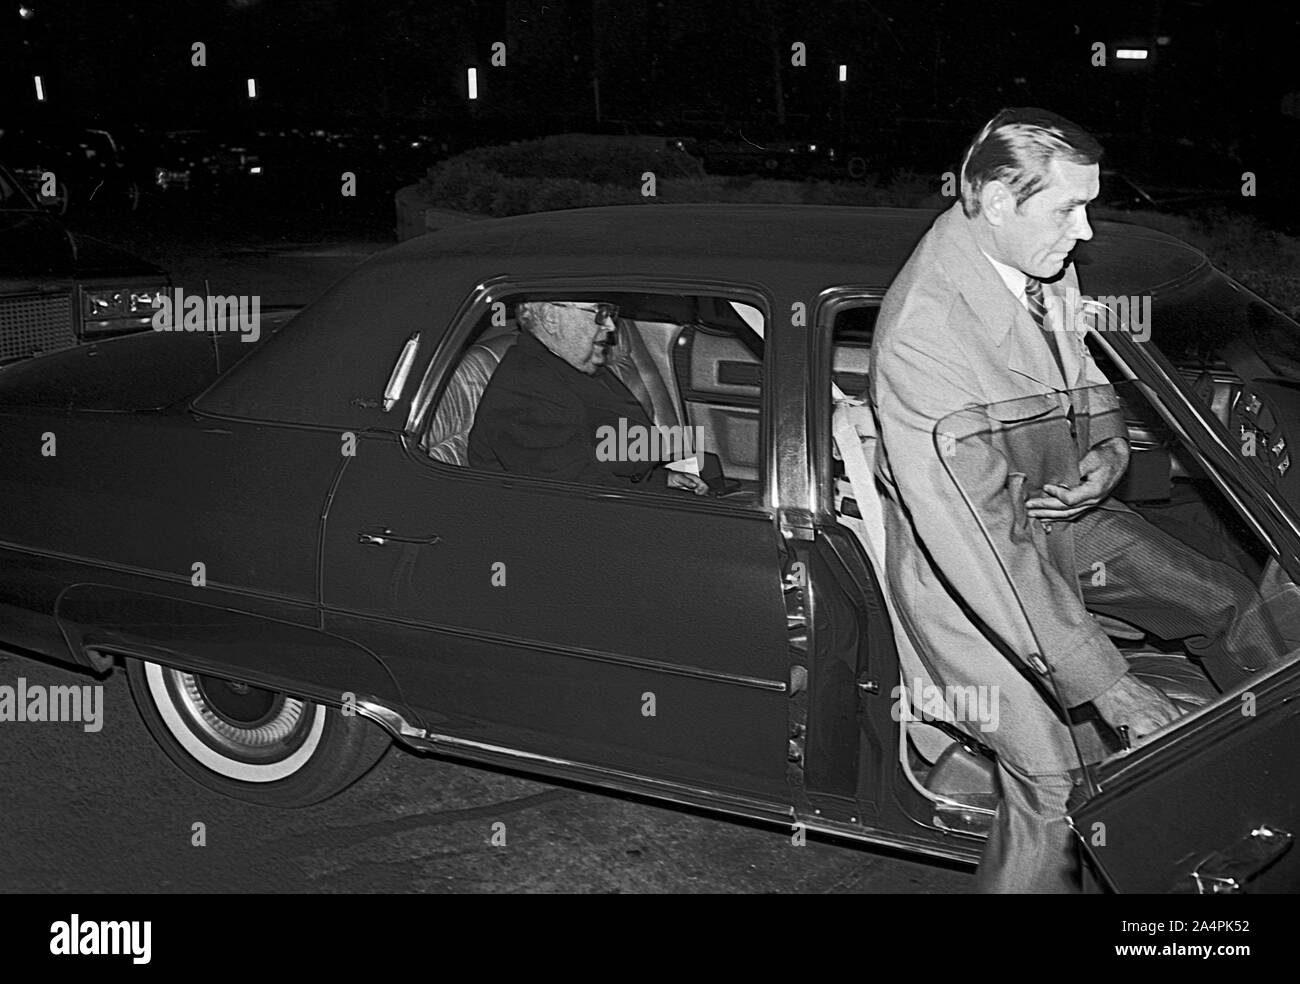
x,y
552,397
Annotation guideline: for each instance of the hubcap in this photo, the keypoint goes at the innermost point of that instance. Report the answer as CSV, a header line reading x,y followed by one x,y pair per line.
x,y
240,720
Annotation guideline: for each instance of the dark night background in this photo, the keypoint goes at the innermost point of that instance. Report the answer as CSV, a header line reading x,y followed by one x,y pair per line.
x,y
1220,81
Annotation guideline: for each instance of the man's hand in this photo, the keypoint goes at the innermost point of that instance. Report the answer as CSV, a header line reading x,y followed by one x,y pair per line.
x,y
1137,706
1101,469
687,481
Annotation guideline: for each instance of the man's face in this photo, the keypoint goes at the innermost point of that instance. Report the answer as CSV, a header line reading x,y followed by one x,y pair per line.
x,y
1037,237
577,339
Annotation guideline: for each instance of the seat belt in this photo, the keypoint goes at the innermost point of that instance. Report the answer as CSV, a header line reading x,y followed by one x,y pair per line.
x,y
853,426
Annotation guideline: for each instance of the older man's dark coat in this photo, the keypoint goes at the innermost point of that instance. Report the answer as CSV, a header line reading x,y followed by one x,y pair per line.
x,y
540,416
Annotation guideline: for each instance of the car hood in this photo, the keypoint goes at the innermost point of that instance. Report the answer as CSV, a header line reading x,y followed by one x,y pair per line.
x,y
37,246
146,371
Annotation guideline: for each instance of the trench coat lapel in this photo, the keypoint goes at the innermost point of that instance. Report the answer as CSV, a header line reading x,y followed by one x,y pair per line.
x,y
1000,312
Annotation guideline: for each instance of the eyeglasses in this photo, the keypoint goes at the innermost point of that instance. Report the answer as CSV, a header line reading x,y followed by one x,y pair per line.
x,y
605,313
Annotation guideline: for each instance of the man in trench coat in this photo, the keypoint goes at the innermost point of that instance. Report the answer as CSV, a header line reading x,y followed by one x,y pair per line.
x,y
984,561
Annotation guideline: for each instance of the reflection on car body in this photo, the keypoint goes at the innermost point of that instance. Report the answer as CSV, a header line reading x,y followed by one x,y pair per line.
x,y
295,563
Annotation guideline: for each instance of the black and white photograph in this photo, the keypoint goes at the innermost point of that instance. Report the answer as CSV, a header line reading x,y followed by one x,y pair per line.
x,y
658,447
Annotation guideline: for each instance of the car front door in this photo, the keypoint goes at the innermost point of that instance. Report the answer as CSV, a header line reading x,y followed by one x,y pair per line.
x,y
1208,802
1211,809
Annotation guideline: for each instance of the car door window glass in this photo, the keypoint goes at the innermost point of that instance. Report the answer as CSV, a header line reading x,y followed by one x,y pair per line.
x,y
691,365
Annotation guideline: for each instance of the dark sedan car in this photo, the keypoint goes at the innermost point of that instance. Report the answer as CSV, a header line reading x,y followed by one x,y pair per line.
x,y
296,565
71,168
59,288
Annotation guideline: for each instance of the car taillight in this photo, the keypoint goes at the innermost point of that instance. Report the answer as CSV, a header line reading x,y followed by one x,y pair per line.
x,y
118,308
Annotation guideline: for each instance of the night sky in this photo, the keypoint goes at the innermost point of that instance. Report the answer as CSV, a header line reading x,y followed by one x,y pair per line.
x,y
1223,75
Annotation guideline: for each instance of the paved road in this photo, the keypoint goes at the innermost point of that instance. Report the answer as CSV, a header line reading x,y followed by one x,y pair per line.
x,y
108,812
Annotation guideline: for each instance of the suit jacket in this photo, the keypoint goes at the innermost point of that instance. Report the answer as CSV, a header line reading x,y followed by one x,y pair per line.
x,y
972,421
540,416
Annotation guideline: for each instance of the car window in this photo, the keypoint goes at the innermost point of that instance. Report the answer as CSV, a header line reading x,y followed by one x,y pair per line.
x,y
852,328
691,367
851,335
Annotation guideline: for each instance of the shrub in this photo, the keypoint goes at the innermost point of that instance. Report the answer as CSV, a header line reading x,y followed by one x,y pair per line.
x,y
1267,262
567,171
581,170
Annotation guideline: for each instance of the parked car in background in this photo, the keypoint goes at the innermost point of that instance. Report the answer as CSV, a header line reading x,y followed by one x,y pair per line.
x,y
59,288
72,168
758,150
203,161
295,564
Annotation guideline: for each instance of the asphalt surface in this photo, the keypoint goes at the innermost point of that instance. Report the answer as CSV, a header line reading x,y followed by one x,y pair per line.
x,y
108,812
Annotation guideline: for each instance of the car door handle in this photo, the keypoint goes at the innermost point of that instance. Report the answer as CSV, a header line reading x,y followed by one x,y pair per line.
x,y
1227,871
382,536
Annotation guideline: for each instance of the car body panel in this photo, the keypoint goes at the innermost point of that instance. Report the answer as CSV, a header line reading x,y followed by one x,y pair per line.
x,y
1177,815
645,633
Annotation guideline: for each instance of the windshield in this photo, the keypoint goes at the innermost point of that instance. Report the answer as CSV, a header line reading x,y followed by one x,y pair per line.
x,y
1212,324
1167,579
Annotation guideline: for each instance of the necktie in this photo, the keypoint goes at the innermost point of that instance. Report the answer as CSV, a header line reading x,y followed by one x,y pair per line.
x,y
1038,311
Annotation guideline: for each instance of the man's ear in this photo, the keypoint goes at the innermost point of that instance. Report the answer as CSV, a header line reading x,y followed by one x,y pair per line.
x,y
544,323
996,201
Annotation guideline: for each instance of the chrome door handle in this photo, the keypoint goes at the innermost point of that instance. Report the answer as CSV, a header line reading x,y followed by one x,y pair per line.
x,y
1227,872
383,536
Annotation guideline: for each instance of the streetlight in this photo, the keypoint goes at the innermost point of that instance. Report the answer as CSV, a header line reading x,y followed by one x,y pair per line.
x,y
844,78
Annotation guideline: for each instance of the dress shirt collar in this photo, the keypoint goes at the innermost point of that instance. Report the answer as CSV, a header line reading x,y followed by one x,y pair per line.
x,y
1013,278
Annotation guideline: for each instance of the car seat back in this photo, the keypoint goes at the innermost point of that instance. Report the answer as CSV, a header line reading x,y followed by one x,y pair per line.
x,y
447,438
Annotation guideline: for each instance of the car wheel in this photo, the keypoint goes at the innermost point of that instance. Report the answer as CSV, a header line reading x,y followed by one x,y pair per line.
x,y
253,744
60,201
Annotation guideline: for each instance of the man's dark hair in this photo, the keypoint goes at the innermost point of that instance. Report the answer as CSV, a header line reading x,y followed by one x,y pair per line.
x,y
1017,147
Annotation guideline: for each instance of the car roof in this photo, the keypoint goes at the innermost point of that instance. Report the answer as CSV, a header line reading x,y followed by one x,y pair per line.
x,y
338,353
838,243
